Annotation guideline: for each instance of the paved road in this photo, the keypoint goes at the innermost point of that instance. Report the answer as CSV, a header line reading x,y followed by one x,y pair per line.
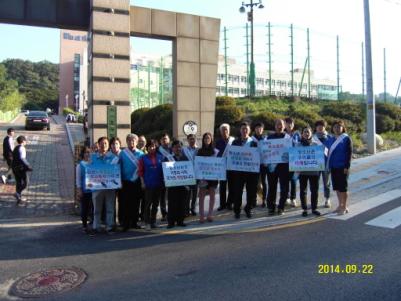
x,y
270,264
50,190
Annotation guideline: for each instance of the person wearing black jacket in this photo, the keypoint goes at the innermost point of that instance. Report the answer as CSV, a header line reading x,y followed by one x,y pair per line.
x,y
240,178
277,173
258,135
8,147
177,195
20,166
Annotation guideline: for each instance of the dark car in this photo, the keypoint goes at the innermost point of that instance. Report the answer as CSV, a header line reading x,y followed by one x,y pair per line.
x,y
37,120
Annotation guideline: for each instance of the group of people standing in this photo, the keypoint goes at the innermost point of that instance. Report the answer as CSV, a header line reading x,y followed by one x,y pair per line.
x,y
17,163
338,153
143,189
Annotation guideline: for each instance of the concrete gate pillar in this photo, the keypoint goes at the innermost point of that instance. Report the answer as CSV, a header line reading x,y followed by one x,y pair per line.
x,y
109,107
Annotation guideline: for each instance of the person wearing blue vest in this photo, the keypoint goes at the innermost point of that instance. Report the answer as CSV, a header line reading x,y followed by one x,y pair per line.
x,y
104,196
339,163
241,178
277,173
151,174
131,184
296,138
83,194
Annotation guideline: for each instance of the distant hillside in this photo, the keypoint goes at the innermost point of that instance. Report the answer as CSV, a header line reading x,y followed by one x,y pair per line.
x,y
38,82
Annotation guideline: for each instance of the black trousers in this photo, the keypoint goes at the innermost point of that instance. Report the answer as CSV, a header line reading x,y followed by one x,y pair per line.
x,y
250,181
21,180
86,208
142,201
292,191
224,199
130,201
263,179
280,174
313,187
163,195
191,200
152,197
177,197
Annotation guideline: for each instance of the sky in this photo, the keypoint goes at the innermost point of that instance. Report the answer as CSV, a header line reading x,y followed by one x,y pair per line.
x,y
325,18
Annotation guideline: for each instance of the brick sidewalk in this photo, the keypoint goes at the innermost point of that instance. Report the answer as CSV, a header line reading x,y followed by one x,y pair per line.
x,y
50,190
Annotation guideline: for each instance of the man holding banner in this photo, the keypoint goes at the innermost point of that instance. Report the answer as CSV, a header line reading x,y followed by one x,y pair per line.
x,y
102,176
307,160
177,178
244,161
277,160
190,152
222,146
258,136
131,191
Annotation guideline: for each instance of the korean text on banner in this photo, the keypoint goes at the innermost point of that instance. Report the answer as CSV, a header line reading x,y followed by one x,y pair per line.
x,y
102,176
242,158
307,158
210,168
274,151
178,173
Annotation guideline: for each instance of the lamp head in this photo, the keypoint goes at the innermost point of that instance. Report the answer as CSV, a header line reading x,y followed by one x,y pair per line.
x,y
242,9
261,5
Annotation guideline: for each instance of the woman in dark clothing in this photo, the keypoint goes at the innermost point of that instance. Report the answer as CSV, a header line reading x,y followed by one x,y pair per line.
x,y
339,162
206,186
20,166
151,173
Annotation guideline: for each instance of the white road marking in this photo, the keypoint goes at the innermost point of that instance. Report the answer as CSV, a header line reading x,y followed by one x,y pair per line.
x,y
363,206
34,140
391,219
36,225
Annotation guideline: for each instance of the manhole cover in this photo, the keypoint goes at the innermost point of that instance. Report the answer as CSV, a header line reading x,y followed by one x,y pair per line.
x,y
44,283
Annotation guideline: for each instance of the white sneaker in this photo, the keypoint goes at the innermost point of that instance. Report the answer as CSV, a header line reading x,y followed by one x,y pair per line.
x,y
288,202
4,179
294,203
327,203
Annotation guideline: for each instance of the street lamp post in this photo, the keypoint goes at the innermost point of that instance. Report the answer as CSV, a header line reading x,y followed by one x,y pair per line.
x,y
251,76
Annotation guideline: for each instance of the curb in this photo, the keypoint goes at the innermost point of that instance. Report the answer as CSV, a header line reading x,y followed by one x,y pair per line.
x,y
16,117
71,142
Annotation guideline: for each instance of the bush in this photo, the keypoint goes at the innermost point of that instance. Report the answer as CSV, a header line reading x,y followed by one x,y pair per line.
x,y
384,124
390,110
150,121
67,111
350,111
228,114
225,101
267,118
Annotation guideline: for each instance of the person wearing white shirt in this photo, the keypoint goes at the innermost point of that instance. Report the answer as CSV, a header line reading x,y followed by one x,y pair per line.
x,y
20,166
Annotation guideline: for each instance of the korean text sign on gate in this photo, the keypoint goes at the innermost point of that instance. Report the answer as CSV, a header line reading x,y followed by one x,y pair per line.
x,y
242,158
307,158
274,151
178,173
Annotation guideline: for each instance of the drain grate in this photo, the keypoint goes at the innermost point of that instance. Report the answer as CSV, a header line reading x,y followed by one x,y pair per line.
x,y
48,282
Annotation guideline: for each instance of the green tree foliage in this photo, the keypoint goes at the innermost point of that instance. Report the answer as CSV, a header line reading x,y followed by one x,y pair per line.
x,y
10,98
153,122
268,119
37,81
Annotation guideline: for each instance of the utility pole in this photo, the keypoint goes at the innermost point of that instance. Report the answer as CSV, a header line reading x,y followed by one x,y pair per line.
x,y
370,101
384,76
225,63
